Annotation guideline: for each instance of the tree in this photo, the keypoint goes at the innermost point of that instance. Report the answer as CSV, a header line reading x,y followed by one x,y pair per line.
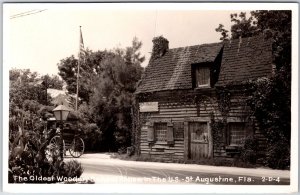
x,y
26,101
53,82
271,98
243,26
89,69
113,94
25,85
107,83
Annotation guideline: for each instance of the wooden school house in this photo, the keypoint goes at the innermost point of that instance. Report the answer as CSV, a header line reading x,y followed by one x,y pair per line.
x,y
191,103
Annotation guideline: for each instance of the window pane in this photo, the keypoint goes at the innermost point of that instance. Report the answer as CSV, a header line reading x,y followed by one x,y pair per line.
x,y
202,76
237,133
160,131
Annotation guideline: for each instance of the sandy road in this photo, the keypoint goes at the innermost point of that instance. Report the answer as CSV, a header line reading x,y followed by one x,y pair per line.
x,y
103,169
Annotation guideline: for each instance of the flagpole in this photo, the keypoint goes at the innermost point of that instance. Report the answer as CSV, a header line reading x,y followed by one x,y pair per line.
x,y
79,58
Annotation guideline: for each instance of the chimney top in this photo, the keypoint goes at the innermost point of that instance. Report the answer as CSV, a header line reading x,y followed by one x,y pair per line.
x,y
160,47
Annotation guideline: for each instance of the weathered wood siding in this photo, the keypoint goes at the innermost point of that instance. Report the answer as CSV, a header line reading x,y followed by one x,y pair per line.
x,y
177,108
169,112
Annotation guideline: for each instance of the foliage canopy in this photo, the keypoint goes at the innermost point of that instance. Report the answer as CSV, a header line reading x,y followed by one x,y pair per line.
x,y
107,82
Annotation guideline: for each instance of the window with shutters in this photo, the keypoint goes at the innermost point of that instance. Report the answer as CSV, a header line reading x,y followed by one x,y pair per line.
x,y
202,76
160,130
237,133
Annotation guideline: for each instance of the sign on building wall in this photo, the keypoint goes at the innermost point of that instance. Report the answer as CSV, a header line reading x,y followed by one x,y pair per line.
x,y
149,107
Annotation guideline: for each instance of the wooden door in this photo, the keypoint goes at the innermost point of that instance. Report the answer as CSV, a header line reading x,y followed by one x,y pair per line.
x,y
199,140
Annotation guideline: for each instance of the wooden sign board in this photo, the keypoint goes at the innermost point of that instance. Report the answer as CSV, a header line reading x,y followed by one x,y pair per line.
x,y
149,107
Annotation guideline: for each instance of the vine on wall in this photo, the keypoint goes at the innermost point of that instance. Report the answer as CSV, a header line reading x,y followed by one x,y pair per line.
x,y
223,98
270,102
135,129
217,127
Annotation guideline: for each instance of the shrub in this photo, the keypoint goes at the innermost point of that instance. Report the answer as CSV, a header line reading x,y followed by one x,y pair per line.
x,y
278,156
29,159
122,150
271,106
130,150
249,152
72,169
92,136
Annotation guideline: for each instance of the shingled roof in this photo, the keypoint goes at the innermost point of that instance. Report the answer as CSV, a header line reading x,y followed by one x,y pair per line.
x,y
242,59
173,70
245,59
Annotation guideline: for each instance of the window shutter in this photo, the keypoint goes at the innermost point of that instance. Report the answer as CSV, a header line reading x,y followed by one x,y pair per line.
x,y
150,132
170,134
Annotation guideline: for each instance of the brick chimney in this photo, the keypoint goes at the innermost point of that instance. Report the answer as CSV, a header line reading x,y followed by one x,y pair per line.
x,y
160,47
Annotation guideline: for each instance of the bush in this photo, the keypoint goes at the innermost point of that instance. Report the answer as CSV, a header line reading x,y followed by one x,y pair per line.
x,y
278,156
31,159
72,169
249,152
130,150
92,137
122,150
270,103
27,159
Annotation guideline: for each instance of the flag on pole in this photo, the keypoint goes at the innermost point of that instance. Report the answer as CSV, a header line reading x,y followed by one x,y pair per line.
x,y
81,46
80,60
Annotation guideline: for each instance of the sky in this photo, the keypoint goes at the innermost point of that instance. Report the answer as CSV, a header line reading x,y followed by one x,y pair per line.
x,y
39,41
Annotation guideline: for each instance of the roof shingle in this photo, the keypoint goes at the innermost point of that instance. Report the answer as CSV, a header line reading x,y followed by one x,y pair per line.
x,y
245,59
173,70
242,59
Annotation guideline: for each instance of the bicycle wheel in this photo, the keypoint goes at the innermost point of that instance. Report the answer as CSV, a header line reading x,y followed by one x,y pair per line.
x,y
54,147
77,147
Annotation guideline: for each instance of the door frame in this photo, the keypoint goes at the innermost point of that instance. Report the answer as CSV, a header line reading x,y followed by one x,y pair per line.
x,y
187,135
